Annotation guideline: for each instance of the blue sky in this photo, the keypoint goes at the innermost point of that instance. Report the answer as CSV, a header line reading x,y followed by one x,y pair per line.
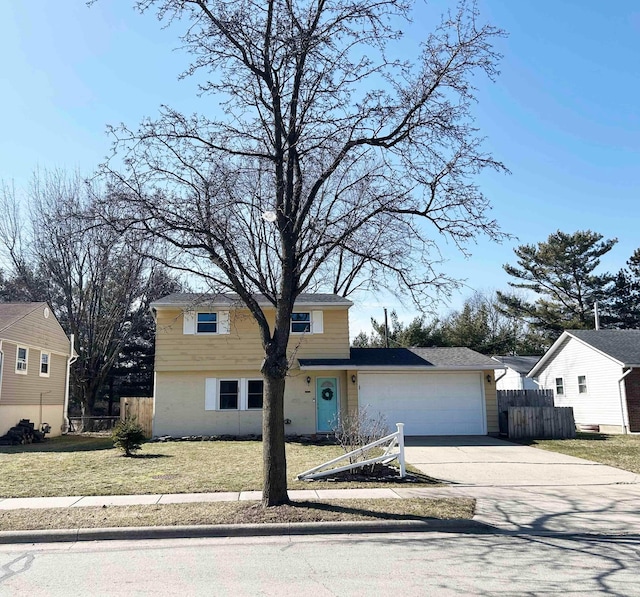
x,y
563,116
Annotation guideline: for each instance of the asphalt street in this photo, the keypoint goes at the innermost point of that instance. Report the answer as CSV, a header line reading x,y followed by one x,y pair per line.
x,y
401,564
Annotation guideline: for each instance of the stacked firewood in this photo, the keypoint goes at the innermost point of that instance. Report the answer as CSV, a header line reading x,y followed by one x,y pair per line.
x,y
23,433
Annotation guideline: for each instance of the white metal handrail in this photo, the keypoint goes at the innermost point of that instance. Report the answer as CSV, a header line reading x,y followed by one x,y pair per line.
x,y
394,439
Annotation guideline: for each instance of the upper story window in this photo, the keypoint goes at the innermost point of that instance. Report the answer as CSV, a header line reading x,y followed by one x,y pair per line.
x,y
301,322
582,384
207,323
559,386
22,360
45,358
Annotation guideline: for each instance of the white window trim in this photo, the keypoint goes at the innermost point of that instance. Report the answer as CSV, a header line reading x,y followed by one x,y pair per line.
x,y
212,394
26,360
586,385
48,373
555,386
190,323
316,323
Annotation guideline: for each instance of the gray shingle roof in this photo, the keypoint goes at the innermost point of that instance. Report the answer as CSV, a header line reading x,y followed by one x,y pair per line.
x,y
520,364
622,345
229,299
424,358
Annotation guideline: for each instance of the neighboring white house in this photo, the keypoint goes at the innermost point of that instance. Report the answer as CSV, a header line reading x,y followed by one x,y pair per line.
x,y
597,372
514,377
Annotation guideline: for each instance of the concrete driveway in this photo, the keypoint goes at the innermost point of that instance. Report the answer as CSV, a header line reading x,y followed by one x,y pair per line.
x,y
519,488
484,461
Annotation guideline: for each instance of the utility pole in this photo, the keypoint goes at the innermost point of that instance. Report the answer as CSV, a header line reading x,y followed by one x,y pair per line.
x,y
386,329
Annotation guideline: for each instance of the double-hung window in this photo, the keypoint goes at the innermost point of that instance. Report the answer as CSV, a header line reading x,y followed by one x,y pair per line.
x,y
229,394
233,394
45,359
22,360
301,322
207,323
582,384
255,390
559,386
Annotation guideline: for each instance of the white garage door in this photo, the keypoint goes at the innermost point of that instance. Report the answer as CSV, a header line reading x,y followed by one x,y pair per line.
x,y
427,403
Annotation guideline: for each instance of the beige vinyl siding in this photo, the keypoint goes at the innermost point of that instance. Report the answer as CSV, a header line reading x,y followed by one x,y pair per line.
x,y
491,402
601,404
53,415
351,406
241,349
36,330
179,404
26,389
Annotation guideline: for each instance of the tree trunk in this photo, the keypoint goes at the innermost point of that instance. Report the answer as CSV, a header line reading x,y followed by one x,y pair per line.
x,y
274,490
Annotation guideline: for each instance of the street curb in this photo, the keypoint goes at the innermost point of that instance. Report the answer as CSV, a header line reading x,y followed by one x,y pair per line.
x,y
242,530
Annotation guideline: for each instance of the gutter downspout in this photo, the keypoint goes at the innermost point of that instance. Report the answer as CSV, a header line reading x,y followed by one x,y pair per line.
x,y
623,410
70,360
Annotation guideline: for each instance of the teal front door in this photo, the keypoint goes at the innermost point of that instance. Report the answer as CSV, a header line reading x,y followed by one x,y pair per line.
x,y
326,403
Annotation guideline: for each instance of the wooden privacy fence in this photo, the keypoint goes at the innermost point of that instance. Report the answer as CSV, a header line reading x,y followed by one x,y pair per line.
x,y
507,398
141,409
541,422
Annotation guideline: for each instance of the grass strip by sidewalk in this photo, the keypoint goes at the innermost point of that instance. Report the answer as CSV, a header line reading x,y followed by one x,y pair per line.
x,y
620,451
236,513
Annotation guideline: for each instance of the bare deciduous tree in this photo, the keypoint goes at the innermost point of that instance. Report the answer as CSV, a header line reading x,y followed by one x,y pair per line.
x,y
330,163
92,277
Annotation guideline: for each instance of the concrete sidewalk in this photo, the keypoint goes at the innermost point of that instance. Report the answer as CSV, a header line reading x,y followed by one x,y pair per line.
x,y
610,509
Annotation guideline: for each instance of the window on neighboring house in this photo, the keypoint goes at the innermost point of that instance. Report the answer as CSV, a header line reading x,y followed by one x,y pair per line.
x,y
228,394
44,364
559,386
582,384
255,389
207,323
300,322
22,360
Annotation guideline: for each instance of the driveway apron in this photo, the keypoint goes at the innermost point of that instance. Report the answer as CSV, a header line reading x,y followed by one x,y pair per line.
x,y
528,489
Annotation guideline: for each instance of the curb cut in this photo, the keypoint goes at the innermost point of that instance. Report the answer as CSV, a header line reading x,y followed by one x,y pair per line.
x,y
242,530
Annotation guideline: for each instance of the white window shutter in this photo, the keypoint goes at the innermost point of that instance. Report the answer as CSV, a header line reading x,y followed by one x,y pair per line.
x,y
210,393
317,322
223,322
188,322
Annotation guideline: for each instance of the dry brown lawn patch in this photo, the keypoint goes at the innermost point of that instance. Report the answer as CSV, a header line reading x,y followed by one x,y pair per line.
x,y
236,513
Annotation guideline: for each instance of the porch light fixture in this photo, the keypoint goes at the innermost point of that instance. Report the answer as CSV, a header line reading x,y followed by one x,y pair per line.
x,y
353,379
488,378
308,380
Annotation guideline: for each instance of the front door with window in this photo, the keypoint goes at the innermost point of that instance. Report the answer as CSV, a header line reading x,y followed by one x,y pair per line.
x,y
326,403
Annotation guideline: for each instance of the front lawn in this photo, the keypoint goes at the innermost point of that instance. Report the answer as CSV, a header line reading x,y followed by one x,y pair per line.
x,y
77,465
620,451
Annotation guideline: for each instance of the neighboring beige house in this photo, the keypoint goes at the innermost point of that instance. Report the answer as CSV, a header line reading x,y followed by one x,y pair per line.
x,y
208,381
35,354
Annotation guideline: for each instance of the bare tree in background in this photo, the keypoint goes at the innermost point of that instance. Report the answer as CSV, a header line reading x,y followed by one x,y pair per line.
x,y
93,278
330,163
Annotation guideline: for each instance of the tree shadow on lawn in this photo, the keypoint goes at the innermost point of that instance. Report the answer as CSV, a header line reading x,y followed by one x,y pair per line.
x,y
352,511
149,456
63,443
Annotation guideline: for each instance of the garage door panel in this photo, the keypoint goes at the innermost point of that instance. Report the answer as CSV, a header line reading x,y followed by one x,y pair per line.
x,y
427,403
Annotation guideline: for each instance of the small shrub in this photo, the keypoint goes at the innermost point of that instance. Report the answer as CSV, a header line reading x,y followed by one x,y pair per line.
x,y
355,431
128,436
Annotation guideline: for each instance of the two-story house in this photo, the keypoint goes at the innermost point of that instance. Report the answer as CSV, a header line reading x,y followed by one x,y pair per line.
x,y
35,355
208,381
